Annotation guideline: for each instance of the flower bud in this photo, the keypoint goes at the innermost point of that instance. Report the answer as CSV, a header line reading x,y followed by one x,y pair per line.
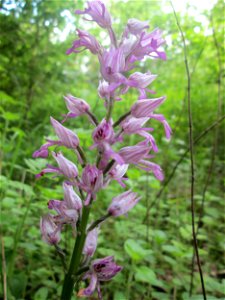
x,y
49,230
132,125
67,137
136,26
145,107
132,154
67,168
71,199
91,242
123,203
140,80
76,106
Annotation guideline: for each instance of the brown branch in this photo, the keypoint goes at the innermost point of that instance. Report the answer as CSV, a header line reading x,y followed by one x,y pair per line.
x,y
214,150
219,105
185,95
191,145
177,123
4,268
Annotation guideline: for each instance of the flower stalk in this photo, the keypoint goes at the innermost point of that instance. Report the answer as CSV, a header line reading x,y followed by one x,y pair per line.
x,y
111,163
70,277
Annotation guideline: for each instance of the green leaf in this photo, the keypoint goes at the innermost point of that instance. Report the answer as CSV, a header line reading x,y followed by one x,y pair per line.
x,y
11,116
159,236
144,274
17,284
134,250
41,294
118,295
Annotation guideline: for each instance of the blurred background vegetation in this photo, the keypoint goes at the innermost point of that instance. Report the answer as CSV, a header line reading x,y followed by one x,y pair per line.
x,y
154,243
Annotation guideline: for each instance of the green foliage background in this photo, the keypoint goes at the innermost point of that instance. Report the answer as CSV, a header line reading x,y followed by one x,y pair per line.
x,y
154,243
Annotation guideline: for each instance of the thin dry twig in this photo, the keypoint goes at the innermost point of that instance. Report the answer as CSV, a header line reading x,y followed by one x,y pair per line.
x,y
191,145
4,269
214,149
219,108
177,123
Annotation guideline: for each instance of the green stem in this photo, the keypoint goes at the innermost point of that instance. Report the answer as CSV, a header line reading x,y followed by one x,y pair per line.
x,y
123,117
82,155
97,222
93,118
70,277
62,257
110,108
109,166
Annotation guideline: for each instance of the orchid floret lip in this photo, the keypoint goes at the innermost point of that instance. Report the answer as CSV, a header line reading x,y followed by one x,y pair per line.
x,y
97,11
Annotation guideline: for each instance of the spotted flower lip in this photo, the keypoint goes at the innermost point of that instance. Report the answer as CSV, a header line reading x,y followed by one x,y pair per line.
x,y
49,230
123,203
112,65
103,136
103,269
91,182
103,133
85,41
98,12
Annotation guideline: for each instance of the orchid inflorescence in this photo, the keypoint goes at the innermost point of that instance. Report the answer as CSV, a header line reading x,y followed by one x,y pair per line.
x,y
135,45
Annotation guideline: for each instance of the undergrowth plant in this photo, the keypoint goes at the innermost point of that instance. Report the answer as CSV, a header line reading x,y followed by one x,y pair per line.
x,y
82,183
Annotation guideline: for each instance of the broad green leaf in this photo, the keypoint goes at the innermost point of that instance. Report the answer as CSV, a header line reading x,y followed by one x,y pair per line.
x,y
41,294
134,250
